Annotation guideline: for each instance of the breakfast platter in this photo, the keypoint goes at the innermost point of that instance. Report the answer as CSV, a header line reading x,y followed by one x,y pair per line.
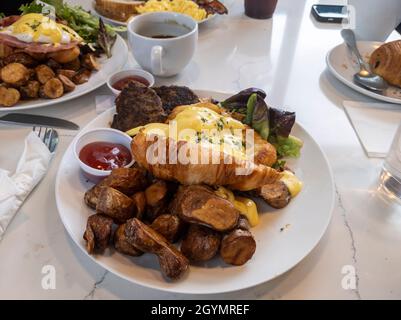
x,y
119,12
46,61
281,237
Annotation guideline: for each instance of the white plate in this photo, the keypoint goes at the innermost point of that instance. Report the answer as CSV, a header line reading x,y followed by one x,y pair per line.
x,y
304,221
97,79
124,24
343,66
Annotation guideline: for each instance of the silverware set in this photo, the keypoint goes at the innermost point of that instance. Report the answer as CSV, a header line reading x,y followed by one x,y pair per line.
x,y
43,126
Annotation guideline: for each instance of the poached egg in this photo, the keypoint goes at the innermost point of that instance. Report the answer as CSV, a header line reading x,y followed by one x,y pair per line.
x,y
36,27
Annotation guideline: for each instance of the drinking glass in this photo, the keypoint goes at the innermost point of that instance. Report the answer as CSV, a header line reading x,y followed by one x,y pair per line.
x,y
390,178
260,9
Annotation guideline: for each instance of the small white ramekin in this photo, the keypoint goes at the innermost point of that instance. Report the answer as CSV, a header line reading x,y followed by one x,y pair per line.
x,y
100,135
126,73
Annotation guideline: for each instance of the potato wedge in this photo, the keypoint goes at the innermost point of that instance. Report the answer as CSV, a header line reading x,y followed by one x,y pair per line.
x,y
172,262
115,205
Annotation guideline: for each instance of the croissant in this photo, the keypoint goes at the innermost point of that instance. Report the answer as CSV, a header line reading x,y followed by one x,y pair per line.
x,y
237,174
385,61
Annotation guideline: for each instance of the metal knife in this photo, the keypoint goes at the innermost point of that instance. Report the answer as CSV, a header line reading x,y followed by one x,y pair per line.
x,y
37,120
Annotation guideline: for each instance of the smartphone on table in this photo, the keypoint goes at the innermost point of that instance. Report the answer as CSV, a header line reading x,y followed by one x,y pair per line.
x,y
329,13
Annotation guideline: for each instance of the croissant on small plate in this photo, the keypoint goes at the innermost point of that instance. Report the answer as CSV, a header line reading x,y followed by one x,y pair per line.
x,y
385,61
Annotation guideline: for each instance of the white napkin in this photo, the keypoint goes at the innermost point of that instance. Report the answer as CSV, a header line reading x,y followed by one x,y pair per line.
x,y
14,188
375,125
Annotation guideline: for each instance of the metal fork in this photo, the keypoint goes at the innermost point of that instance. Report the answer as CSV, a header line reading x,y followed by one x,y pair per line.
x,y
49,136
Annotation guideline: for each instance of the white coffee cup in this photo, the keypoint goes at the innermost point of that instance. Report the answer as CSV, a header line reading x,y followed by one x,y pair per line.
x,y
163,42
373,20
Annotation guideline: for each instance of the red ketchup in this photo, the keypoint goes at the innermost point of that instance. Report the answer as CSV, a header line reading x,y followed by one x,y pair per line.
x,y
120,84
105,155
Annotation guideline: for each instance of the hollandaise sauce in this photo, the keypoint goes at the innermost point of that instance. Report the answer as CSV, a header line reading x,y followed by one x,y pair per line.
x,y
202,125
36,27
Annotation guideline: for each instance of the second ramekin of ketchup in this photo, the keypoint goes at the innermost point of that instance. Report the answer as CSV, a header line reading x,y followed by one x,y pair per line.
x,y
119,79
99,151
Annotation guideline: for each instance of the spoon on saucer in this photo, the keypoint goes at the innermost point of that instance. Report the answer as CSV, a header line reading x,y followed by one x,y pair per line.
x,y
365,77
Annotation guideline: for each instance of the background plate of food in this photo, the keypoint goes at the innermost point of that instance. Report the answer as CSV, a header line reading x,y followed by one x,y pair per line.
x,y
118,12
382,57
51,59
221,246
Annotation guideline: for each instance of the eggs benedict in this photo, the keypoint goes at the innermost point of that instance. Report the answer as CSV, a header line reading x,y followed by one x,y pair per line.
x,y
35,33
35,27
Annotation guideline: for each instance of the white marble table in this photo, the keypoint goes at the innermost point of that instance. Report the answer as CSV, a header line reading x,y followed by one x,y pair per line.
x,y
286,57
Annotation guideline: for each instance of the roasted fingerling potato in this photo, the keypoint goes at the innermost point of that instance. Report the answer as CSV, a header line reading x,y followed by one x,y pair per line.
x,y
67,73
30,90
68,85
98,233
81,76
52,89
9,96
15,74
200,243
122,245
44,73
170,226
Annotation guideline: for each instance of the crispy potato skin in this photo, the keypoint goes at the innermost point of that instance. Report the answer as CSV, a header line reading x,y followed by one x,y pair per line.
x,y
200,205
172,262
122,245
98,233
126,180
15,74
200,243
156,199
115,205
139,199
237,247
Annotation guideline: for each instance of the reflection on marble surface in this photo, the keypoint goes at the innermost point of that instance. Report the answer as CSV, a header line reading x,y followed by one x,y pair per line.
x,y
285,56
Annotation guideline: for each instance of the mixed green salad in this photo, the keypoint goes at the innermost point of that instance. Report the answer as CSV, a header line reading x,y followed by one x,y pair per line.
x,y
272,124
92,29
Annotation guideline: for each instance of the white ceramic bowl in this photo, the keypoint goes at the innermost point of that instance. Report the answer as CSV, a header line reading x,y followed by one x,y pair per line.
x,y
100,135
127,73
